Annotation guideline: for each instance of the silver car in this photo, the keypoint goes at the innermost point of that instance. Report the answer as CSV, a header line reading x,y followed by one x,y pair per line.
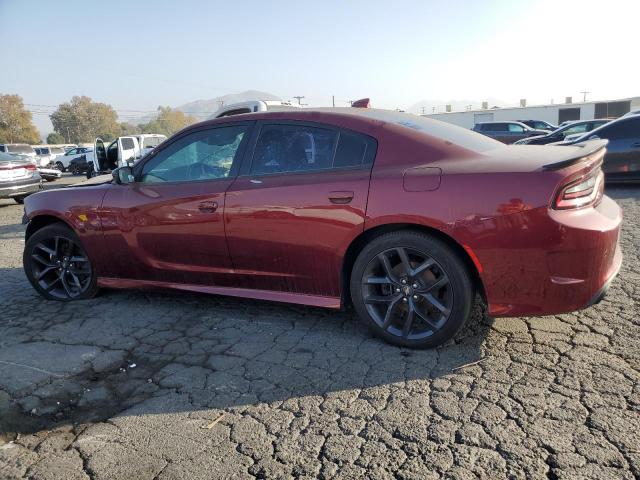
x,y
18,178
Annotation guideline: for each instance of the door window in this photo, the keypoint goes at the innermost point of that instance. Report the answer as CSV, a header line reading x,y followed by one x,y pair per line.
x,y
293,148
302,148
202,155
576,129
515,128
127,143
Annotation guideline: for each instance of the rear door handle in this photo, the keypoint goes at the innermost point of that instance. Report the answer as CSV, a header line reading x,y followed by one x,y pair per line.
x,y
208,207
341,197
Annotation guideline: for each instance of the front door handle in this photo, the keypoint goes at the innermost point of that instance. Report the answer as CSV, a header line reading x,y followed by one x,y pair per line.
x,y
208,207
341,197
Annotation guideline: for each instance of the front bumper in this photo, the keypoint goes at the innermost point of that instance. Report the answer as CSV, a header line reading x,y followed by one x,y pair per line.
x,y
21,188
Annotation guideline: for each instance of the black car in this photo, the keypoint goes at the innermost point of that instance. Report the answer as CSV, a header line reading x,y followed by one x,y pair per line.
x,y
507,132
578,127
18,178
622,160
539,125
78,165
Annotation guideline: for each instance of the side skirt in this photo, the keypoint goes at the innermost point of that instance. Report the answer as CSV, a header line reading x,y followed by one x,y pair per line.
x,y
274,296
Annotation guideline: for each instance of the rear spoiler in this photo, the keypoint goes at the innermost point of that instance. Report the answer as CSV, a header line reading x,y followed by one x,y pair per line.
x,y
590,149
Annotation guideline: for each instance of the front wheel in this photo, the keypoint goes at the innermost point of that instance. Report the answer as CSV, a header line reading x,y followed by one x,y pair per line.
x,y
60,166
411,289
57,266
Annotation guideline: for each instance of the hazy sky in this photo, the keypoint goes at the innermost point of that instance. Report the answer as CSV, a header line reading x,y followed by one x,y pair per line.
x,y
137,55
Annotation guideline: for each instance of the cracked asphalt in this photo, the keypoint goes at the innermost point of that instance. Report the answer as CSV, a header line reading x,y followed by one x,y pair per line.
x,y
157,385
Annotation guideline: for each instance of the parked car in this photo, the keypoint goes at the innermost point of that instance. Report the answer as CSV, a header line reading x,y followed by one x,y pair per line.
x,y
507,132
49,153
631,113
122,151
63,161
403,216
254,106
18,178
573,128
622,160
539,125
22,150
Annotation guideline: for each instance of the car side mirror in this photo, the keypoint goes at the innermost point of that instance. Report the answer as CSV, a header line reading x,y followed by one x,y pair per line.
x,y
123,175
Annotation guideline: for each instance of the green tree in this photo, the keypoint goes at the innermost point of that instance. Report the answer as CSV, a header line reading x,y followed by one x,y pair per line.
x,y
82,120
55,138
16,124
168,121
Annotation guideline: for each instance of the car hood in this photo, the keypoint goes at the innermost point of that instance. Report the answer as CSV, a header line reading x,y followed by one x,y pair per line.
x,y
99,180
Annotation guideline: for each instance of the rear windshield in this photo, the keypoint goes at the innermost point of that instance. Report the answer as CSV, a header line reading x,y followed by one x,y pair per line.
x,y
457,135
152,141
19,148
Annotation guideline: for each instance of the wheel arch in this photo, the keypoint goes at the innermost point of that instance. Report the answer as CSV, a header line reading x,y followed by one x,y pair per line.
x,y
358,243
40,221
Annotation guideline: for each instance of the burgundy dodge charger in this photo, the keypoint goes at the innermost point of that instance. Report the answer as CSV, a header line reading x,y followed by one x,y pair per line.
x,y
404,217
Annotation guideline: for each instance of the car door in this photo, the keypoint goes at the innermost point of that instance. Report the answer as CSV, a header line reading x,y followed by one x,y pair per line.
x,y
168,225
622,159
299,201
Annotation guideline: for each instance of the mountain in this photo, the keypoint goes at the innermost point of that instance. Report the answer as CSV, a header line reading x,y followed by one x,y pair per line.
x,y
456,105
204,108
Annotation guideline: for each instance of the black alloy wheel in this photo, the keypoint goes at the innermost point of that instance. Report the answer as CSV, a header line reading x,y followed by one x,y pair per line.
x,y
411,289
57,265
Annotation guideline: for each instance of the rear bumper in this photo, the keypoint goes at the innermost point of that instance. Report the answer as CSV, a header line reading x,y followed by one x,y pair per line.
x,y
565,263
21,188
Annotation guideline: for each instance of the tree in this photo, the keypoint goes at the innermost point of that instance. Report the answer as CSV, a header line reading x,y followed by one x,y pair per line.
x,y
55,138
129,129
82,120
168,122
15,121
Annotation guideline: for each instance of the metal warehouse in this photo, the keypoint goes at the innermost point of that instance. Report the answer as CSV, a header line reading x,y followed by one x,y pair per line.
x,y
554,113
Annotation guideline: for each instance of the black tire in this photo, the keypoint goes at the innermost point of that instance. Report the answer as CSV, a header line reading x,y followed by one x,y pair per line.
x,y
60,166
411,289
19,200
54,257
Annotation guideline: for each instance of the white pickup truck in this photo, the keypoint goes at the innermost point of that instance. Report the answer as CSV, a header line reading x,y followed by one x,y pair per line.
x,y
123,151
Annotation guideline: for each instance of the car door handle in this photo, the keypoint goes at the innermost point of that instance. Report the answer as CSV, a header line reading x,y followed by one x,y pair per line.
x,y
208,207
341,197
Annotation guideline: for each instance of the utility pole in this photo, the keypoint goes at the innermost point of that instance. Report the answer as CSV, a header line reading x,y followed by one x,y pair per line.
x,y
299,98
351,102
423,109
333,100
584,96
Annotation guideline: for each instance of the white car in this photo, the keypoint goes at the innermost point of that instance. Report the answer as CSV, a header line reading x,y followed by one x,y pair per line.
x,y
62,161
254,106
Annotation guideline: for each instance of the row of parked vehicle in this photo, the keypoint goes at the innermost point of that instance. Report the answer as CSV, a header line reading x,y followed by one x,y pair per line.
x,y
622,160
23,167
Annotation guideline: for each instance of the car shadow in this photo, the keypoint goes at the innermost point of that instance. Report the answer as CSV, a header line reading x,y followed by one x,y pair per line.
x,y
86,361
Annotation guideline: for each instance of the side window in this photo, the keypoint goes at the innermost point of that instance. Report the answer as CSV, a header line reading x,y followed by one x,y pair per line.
x,y
515,128
293,148
73,151
202,155
353,150
127,143
576,129
621,130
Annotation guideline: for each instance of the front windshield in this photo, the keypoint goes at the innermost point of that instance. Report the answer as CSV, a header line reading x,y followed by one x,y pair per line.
x,y
18,148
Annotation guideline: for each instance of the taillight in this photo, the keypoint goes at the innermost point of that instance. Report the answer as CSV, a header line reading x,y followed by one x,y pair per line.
x,y
583,192
30,167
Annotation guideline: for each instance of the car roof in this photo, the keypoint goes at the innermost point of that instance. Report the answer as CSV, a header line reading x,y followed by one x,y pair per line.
x,y
368,120
607,125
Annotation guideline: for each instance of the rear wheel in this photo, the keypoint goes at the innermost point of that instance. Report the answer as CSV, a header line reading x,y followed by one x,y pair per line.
x,y
60,166
19,200
57,265
411,289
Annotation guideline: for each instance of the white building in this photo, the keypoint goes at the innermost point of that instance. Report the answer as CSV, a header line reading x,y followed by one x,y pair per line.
x,y
554,114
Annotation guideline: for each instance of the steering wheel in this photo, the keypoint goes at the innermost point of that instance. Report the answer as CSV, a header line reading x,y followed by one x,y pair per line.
x,y
202,171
